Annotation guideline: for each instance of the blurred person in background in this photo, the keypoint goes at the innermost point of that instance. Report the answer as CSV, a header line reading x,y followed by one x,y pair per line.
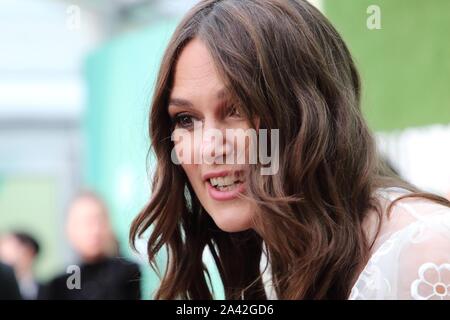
x,y
9,290
20,250
103,275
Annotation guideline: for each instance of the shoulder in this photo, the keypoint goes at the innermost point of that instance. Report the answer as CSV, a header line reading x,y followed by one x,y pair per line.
x,y
55,288
6,272
413,244
406,215
122,262
125,266
9,288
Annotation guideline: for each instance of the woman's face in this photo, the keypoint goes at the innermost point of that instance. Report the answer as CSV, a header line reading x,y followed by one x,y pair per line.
x,y
206,131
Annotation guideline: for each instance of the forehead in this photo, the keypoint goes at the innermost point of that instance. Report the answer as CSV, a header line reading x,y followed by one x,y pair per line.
x,y
195,72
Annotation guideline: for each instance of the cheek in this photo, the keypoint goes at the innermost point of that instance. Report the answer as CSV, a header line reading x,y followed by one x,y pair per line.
x,y
182,152
184,147
193,175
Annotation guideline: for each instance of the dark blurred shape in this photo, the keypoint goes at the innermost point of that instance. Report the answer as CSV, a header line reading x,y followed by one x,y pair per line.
x,y
28,241
105,279
20,250
9,290
102,274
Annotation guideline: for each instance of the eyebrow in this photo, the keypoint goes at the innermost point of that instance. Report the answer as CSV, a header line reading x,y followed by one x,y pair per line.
x,y
180,102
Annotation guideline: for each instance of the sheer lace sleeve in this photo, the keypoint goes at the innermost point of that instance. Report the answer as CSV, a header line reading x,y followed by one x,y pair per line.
x,y
424,268
414,261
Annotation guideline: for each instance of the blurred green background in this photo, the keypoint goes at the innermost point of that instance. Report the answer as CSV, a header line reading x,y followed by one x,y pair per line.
x,y
405,65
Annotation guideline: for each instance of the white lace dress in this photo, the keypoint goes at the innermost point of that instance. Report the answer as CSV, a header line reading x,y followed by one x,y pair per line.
x,y
411,255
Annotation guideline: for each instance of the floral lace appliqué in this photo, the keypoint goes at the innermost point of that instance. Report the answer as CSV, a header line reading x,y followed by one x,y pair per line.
x,y
433,282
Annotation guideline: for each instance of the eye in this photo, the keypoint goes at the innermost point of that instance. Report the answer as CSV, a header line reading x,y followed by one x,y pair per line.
x,y
184,121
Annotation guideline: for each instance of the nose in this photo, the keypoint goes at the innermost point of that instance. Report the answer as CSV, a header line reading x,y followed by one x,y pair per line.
x,y
216,146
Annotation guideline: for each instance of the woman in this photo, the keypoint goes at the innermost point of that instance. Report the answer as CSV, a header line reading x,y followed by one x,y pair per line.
x,y
329,220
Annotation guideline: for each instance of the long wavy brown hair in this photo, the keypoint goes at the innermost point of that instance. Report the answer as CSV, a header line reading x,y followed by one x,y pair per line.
x,y
285,63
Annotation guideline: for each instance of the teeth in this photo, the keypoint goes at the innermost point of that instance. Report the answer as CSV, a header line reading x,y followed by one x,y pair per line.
x,y
227,188
225,182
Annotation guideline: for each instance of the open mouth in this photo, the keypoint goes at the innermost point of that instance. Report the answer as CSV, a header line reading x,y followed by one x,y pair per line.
x,y
228,182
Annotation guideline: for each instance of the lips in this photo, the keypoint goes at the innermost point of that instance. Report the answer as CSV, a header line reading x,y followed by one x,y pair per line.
x,y
224,185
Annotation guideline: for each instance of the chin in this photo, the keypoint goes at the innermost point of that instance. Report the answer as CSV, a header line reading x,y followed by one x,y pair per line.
x,y
230,222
